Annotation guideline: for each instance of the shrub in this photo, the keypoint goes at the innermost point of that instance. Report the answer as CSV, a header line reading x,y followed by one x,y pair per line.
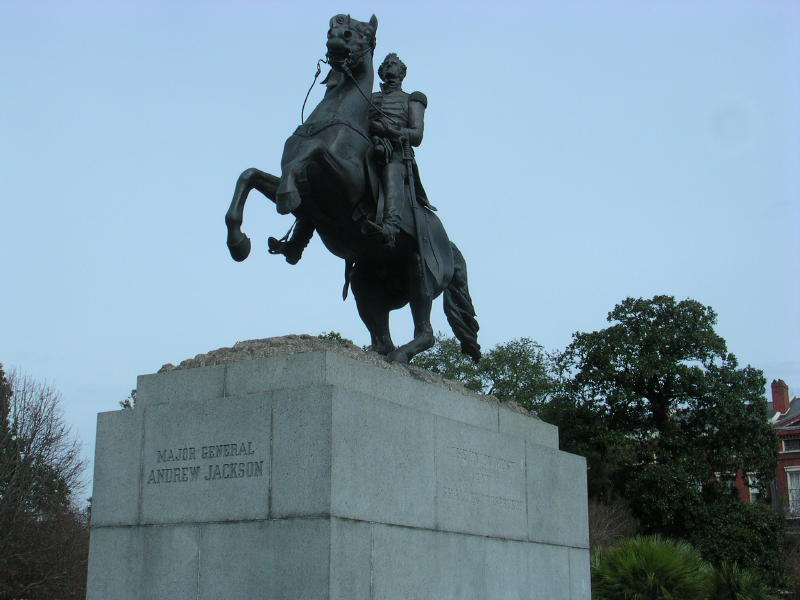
x,y
732,583
749,535
649,568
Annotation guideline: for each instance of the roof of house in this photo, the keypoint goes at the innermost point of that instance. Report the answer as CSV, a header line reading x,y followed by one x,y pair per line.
x,y
782,419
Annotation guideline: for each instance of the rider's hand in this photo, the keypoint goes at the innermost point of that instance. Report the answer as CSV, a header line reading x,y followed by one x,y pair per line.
x,y
377,128
393,132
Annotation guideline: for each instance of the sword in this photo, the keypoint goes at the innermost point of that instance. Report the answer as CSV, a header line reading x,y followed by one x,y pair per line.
x,y
420,231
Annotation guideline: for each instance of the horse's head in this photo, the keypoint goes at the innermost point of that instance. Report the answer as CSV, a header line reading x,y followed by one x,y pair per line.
x,y
350,42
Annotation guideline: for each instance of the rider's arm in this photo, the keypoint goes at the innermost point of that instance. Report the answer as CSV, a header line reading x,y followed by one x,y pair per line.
x,y
417,103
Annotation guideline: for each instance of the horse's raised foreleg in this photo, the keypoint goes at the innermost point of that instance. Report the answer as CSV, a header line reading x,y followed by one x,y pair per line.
x,y
238,242
421,302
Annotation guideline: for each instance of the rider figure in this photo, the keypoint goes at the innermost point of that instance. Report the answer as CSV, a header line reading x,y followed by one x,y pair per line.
x,y
395,116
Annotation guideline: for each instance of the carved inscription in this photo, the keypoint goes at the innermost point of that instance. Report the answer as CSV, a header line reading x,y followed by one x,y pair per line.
x,y
478,477
239,468
483,461
477,499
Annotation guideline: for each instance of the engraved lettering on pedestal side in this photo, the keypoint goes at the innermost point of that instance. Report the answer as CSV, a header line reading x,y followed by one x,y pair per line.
x,y
187,464
475,479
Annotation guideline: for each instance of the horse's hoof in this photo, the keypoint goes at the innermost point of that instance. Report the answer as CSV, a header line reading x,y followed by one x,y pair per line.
x,y
383,350
398,356
241,249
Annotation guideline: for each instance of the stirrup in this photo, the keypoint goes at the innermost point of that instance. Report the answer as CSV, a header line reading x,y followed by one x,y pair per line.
x,y
275,246
288,249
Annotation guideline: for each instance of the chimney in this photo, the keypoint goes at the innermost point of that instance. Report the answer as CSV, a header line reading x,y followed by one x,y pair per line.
x,y
780,396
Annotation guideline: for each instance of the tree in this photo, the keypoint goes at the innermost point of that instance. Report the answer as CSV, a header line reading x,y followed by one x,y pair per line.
x,y
43,535
658,393
519,370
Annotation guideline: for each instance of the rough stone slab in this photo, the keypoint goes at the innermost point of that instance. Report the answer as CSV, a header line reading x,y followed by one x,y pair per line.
x,y
188,385
548,572
170,563
557,493
275,373
382,457
351,558
416,564
375,484
301,459
506,569
115,500
330,364
272,559
210,488
286,345
115,563
404,389
480,481
529,428
580,574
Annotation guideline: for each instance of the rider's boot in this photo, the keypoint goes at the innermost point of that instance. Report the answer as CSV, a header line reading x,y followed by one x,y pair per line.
x,y
391,221
293,248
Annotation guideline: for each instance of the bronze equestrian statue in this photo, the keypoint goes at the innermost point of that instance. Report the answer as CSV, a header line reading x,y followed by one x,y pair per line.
x,y
349,173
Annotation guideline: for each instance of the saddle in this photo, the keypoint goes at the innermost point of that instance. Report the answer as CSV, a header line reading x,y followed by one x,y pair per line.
x,y
435,248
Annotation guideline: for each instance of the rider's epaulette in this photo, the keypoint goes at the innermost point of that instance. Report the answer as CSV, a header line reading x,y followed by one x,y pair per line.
x,y
419,97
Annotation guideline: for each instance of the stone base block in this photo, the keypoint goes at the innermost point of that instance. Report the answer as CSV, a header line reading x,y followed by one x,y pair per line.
x,y
316,476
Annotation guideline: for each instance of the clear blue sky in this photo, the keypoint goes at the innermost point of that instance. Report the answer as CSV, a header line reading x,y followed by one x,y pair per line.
x,y
579,153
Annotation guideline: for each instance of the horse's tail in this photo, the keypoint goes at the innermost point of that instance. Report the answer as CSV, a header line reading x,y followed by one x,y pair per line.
x,y
459,310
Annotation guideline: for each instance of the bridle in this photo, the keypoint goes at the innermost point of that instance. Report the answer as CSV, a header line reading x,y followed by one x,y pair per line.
x,y
350,61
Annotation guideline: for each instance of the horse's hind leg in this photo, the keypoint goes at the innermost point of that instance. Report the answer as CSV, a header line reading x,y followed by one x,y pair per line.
x,y
373,308
421,302
238,242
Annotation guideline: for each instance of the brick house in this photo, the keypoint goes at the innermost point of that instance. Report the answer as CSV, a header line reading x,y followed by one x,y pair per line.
x,y
784,415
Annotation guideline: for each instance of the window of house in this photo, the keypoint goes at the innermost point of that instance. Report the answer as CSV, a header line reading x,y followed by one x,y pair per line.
x,y
791,445
755,492
793,479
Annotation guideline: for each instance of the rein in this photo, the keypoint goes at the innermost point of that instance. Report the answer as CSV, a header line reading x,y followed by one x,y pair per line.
x,y
349,73
308,93
351,59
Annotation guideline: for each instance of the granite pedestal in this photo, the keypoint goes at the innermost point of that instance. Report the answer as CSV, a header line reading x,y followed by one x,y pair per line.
x,y
315,476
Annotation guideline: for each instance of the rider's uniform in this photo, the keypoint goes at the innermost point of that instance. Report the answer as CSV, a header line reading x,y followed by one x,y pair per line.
x,y
405,112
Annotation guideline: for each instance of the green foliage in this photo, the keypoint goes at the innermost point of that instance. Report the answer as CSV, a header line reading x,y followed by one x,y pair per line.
x,y
665,416
130,401
734,532
519,370
663,496
729,582
649,568
662,374
335,336
446,359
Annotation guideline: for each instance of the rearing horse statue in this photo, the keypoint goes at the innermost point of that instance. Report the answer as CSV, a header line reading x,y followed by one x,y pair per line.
x,y
328,179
